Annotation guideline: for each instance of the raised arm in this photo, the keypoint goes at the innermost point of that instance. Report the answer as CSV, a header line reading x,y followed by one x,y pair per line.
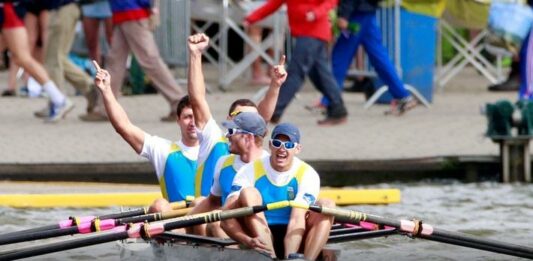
x,y
196,86
117,116
267,105
263,11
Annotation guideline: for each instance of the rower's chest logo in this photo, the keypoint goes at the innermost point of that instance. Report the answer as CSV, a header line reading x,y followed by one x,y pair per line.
x,y
290,193
310,199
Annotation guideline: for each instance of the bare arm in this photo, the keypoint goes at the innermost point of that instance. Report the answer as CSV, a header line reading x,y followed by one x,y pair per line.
x,y
208,204
196,85
117,116
233,228
295,231
267,105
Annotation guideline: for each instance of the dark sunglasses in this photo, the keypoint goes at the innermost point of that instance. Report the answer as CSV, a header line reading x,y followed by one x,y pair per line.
x,y
289,145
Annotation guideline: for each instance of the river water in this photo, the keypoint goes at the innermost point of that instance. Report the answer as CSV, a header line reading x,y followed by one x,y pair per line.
x,y
498,211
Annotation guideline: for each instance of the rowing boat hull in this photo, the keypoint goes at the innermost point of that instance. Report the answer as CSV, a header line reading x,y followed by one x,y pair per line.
x,y
149,250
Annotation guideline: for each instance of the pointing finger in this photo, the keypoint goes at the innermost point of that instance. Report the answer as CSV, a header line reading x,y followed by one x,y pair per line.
x,y
282,61
96,66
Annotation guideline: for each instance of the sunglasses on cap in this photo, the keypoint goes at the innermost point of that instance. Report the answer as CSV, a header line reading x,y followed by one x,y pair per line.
x,y
235,113
289,145
233,131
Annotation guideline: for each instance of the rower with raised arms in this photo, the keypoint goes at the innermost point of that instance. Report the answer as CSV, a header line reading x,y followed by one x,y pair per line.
x,y
174,162
213,145
282,176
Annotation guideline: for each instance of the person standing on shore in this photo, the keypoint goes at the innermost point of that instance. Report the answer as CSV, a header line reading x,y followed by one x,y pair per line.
x,y
174,162
526,66
358,25
15,36
311,29
61,33
132,32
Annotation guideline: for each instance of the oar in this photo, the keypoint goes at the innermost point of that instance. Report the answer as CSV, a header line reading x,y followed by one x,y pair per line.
x,y
93,226
417,229
73,221
145,230
361,234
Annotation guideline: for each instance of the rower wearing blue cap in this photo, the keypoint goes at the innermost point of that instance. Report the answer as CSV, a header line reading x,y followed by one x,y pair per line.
x,y
281,176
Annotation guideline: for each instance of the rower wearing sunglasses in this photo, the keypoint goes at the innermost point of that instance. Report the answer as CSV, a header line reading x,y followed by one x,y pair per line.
x,y
213,144
281,176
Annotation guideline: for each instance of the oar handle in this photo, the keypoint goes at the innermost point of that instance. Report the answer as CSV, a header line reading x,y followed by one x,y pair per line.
x,y
175,213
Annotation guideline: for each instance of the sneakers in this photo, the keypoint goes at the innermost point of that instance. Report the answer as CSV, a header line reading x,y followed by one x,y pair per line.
x,y
93,117
44,112
9,93
58,112
317,107
511,84
91,97
332,121
399,107
275,119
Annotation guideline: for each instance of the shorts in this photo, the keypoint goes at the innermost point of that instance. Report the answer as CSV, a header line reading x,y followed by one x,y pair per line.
x,y
37,6
11,16
96,10
278,238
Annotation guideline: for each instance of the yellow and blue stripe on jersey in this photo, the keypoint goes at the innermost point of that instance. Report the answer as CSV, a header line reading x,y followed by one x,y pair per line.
x,y
227,174
177,181
274,193
204,174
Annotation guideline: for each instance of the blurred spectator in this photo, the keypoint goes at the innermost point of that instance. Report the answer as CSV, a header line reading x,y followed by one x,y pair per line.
x,y
311,29
512,83
132,31
36,22
514,79
526,66
94,13
259,74
15,37
61,33
358,25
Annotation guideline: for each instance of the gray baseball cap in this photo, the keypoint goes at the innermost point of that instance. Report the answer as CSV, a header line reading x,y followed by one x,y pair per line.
x,y
248,121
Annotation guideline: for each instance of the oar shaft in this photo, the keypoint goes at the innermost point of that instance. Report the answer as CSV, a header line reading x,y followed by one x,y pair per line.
x,y
460,237
339,238
31,230
63,245
129,213
17,238
491,248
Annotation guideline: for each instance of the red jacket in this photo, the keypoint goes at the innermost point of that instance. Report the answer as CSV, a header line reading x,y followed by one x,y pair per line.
x,y
296,10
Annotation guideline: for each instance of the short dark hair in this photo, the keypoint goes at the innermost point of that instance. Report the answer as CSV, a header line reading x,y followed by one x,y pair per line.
x,y
184,102
241,102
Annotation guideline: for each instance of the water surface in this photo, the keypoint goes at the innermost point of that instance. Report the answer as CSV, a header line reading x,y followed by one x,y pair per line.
x,y
491,210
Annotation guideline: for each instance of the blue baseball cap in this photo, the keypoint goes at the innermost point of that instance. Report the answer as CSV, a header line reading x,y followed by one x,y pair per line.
x,y
248,121
287,129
